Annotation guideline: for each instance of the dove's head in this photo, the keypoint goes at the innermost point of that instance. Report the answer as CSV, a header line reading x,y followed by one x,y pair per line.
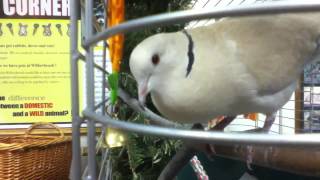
x,y
155,60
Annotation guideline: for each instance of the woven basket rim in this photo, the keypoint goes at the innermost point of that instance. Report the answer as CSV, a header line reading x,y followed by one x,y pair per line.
x,y
27,141
38,142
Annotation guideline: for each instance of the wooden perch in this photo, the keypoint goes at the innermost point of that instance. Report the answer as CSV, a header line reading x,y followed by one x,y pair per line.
x,y
302,161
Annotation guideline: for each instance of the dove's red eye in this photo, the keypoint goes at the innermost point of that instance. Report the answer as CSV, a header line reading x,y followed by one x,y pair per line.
x,y
155,59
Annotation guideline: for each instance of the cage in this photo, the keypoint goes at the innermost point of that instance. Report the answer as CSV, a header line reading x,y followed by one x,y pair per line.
x,y
296,123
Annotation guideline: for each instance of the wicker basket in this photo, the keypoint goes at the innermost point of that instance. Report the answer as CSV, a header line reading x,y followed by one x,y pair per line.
x,y
33,157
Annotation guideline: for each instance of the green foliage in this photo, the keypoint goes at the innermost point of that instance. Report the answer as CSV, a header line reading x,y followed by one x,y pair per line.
x,y
113,80
142,157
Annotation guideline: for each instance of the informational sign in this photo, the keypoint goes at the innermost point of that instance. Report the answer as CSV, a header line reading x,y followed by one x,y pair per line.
x,y
34,61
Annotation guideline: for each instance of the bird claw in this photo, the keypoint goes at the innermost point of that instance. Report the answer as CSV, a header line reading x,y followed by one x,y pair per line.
x,y
210,151
249,157
206,148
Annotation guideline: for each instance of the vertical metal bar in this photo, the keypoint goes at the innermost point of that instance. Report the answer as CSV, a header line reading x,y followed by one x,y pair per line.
x,y
311,126
90,91
299,101
280,122
105,7
105,153
103,76
76,147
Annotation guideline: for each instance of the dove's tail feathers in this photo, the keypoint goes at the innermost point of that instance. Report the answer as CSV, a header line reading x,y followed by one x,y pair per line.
x,y
308,19
314,19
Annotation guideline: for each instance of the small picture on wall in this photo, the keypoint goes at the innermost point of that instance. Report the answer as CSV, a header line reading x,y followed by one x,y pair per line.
x,y
312,74
311,97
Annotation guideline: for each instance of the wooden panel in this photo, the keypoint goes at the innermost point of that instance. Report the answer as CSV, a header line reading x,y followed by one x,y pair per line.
x,y
299,107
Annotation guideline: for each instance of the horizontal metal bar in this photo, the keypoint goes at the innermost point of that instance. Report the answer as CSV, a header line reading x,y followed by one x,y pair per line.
x,y
78,55
101,69
81,57
101,104
189,15
301,140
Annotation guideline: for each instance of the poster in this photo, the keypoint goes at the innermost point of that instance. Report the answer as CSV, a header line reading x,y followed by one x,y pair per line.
x,y
34,61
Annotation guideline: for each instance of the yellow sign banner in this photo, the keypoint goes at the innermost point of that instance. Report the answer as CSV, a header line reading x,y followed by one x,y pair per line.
x,y
34,71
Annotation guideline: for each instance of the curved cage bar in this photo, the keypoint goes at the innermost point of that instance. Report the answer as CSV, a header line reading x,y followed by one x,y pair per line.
x,y
189,15
210,137
154,21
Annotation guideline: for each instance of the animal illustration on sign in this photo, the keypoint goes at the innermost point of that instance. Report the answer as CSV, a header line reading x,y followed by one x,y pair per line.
x,y
35,28
68,31
58,26
47,30
23,29
10,27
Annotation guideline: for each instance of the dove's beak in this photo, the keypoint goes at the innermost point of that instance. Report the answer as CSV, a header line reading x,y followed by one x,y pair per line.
x,y
143,91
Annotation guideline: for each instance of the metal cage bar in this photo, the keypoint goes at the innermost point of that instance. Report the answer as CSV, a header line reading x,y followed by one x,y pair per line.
x,y
188,15
152,21
311,140
90,91
76,121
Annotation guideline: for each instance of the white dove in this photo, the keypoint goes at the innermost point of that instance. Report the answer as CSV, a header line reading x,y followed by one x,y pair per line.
x,y
234,66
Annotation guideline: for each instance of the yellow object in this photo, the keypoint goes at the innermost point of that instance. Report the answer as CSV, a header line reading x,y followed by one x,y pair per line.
x,y
34,71
115,16
114,138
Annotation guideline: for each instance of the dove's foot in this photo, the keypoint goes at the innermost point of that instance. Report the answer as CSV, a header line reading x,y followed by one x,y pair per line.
x,y
270,118
249,157
219,124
